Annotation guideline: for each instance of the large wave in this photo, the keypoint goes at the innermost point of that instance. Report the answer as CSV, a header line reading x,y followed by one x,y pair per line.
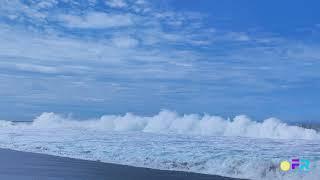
x,y
173,142
170,122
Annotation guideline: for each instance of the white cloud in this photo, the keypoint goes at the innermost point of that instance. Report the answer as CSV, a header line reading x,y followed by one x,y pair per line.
x,y
141,2
238,36
148,33
45,54
96,20
47,4
37,68
141,47
116,3
15,9
125,42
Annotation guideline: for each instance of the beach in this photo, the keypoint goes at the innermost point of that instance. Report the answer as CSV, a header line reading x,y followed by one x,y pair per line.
x,y
17,165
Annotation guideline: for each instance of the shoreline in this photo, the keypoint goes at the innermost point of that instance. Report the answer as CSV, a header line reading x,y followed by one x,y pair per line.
x,y
18,165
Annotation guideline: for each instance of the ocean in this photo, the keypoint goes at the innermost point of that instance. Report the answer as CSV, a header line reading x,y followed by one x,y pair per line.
x,y
239,147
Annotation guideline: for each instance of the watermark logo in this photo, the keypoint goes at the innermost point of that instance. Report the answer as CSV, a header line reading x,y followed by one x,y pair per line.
x,y
295,164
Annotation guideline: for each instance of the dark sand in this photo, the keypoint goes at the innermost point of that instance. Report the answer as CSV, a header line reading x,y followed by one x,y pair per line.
x,y
26,166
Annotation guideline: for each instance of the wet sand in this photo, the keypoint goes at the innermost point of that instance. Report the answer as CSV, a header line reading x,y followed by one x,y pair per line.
x,y
16,165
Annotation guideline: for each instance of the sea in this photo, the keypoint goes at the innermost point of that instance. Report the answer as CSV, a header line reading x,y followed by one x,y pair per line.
x,y
239,147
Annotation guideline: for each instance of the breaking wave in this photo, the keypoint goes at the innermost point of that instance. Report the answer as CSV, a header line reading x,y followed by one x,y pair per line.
x,y
203,144
170,122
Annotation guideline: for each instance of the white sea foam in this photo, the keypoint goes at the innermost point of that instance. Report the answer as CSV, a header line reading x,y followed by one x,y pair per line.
x,y
171,122
204,144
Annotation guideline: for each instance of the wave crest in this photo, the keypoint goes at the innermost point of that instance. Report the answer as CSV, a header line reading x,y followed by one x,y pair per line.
x,y
170,122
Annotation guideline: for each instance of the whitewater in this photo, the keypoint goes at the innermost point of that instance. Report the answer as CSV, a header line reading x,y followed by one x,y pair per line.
x,y
238,147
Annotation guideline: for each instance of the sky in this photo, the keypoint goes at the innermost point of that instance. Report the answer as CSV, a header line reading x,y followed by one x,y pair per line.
x,y
93,57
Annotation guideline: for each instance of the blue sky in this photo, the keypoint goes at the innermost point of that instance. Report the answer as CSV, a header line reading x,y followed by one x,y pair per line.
x,y
94,57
